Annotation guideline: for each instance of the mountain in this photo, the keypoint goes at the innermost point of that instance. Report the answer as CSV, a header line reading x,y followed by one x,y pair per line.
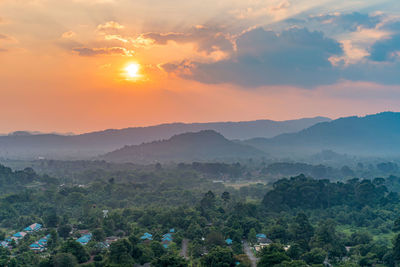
x,y
198,146
372,135
25,145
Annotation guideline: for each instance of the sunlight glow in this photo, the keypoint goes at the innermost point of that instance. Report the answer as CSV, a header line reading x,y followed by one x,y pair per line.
x,y
133,70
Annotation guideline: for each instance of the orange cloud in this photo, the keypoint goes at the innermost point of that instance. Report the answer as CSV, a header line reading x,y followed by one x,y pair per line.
x,y
89,52
109,27
68,34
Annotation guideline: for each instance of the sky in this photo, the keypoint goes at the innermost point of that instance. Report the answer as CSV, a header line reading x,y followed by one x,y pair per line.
x,y
85,65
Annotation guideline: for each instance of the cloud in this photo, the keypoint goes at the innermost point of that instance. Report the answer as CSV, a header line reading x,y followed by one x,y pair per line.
x,y
348,21
281,6
4,37
292,57
68,35
110,27
90,52
261,9
207,39
388,48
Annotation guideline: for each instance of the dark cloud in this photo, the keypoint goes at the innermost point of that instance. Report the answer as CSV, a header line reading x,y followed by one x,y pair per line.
x,y
4,37
293,57
208,39
332,24
386,50
349,21
90,52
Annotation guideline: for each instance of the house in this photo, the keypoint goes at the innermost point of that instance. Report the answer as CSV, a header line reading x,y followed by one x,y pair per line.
x,y
229,241
105,213
146,236
36,247
111,239
264,241
102,245
83,240
172,230
167,235
261,236
42,241
19,235
33,227
84,232
167,238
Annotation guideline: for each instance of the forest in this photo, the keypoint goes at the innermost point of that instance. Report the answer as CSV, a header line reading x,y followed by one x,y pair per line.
x,y
199,214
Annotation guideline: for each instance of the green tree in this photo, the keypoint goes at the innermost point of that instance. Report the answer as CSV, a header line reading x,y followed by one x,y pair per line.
x,y
396,249
169,260
64,230
120,253
98,234
226,196
76,249
301,230
215,238
64,260
252,236
315,256
219,257
272,255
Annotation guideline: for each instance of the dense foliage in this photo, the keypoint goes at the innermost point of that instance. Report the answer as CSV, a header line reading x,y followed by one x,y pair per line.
x,y
215,223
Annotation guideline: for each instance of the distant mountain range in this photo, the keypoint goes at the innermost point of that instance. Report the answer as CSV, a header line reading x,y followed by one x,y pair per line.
x,y
372,135
27,145
200,146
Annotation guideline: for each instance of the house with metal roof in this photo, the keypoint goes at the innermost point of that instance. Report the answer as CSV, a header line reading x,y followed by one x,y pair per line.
x,y
19,235
83,240
33,227
146,236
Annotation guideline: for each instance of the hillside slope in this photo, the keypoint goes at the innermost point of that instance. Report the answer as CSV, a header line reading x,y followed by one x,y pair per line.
x,y
199,146
377,135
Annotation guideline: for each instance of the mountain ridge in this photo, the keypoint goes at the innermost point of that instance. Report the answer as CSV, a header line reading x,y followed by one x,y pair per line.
x,y
84,146
375,134
193,146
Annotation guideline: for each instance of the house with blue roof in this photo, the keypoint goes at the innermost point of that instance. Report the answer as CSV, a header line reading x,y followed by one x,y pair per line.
x,y
33,228
172,230
83,240
18,236
40,245
167,238
42,241
146,236
229,241
36,247
261,236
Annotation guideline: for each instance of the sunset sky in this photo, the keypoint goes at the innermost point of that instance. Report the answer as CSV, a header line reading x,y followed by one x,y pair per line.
x,y
84,65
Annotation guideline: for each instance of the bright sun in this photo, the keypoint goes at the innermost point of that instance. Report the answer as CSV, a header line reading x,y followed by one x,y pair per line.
x,y
132,70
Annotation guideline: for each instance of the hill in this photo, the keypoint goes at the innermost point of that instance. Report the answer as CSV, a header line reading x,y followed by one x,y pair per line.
x,y
199,146
28,145
372,135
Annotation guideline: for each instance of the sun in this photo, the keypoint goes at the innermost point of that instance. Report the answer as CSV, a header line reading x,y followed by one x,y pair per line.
x,y
133,70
